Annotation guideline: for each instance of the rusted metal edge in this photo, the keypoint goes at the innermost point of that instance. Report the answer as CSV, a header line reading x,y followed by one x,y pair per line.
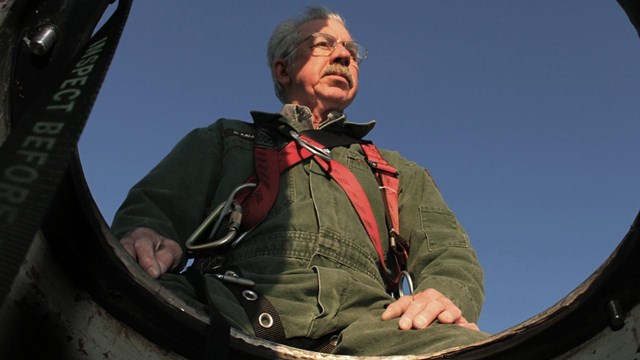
x,y
115,282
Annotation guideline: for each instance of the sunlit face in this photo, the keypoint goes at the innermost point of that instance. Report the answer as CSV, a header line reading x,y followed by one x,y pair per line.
x,y
309,80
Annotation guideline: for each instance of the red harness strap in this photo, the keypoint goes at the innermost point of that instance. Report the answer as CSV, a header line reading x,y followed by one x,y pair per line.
x,y
257,203
358,198
387,177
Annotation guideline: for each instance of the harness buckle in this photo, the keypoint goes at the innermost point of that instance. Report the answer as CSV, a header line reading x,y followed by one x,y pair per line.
x,y
315,150
229,207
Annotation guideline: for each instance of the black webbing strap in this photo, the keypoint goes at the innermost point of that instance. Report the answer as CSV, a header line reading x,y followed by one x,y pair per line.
x,y
264,318
325,344
218,335
36,154
219,330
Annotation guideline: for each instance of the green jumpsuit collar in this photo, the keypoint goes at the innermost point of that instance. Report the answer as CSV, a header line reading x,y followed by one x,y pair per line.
x,y
298,118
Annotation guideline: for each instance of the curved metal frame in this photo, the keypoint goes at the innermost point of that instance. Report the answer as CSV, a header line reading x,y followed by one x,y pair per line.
x,y
90,267
98,264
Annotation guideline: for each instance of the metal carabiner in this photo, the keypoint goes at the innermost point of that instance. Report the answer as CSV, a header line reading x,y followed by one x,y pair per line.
x,y
323,153
229,207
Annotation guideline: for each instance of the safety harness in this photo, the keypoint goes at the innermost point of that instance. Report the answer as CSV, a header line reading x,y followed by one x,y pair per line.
x,y
251,202
257,202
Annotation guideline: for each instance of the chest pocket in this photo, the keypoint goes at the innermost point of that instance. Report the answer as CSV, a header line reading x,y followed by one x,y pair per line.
x,y
442,228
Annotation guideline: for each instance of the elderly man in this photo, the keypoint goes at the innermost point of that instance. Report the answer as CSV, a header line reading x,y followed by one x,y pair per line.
x,y
325,252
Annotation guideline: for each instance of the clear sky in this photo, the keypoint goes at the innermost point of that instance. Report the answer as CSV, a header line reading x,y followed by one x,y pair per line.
x,y
526,114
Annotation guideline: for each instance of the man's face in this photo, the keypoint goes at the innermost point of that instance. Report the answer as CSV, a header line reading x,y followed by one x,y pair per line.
x,y
311,80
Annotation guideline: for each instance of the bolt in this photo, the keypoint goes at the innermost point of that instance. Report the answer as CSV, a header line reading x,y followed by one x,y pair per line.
x,y
616,318
42,42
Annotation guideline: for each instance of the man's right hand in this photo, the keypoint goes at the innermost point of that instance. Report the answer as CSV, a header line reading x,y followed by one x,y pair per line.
x,y
154,253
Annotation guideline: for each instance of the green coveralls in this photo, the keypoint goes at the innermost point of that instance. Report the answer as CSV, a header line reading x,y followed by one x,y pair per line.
x,y
311,257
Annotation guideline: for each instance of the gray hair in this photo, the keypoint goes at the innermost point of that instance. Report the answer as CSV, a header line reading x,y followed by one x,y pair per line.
x,y
285,37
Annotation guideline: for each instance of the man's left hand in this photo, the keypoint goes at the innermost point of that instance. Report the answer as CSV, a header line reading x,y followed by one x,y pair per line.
x,y
419,310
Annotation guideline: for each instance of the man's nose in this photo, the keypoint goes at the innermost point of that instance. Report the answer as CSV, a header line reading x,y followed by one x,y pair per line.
x,y
341,55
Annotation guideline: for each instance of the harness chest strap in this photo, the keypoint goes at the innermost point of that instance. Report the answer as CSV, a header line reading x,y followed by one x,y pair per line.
x,y
351,186
387,177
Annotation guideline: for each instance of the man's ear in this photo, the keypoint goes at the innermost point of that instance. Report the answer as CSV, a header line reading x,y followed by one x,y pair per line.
x,y
281,72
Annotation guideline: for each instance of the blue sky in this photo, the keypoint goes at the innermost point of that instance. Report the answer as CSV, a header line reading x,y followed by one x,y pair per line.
x,y
524,112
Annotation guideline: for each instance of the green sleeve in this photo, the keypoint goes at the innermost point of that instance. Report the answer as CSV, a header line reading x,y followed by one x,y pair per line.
x,y
174,197
441,255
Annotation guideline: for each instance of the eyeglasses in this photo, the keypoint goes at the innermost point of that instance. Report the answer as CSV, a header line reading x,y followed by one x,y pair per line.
x,y
324,45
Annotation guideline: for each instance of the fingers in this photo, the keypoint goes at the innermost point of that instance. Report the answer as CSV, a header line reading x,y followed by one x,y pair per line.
x,y
154,253
464,323
470,326
127,243
397,308
145,246
168,255
422,309
450,314
422,312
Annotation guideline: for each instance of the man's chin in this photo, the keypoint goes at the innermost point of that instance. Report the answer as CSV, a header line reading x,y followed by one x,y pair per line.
x,y
339,81
337,101
337,91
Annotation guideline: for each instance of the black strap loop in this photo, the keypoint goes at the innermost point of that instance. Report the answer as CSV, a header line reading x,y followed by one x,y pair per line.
x,y
263,315
35,156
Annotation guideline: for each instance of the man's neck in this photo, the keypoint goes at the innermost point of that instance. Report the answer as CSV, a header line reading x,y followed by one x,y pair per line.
x,y
307,117
319,116
319,113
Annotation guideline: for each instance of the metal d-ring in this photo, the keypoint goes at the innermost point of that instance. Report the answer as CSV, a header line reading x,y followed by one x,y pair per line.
x,y
405,277
323,153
